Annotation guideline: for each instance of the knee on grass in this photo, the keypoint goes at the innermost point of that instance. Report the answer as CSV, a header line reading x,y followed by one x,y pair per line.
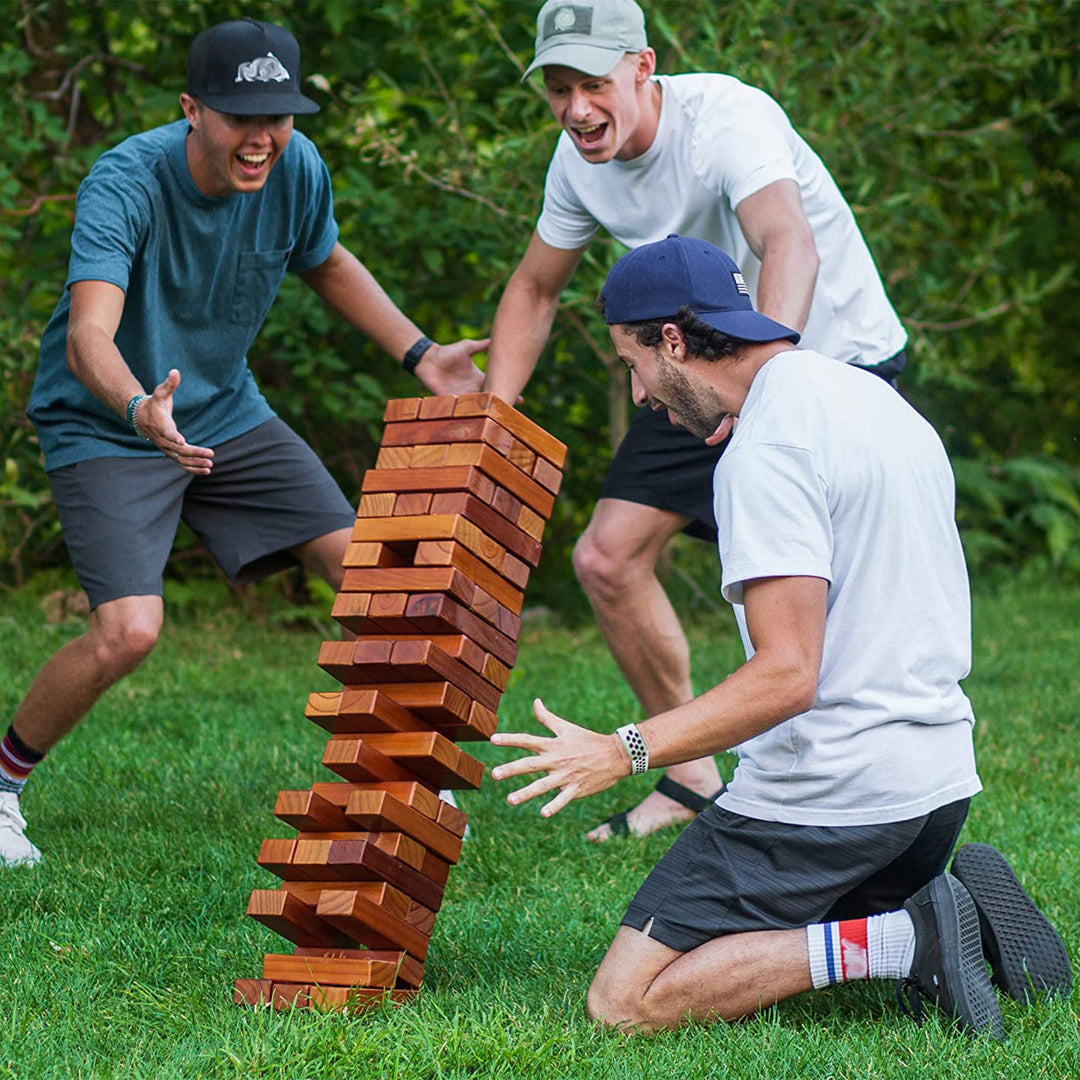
x,y
621,1008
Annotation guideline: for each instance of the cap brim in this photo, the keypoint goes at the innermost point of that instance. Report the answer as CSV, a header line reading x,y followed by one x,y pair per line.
x,y
265,104
747,326
589,59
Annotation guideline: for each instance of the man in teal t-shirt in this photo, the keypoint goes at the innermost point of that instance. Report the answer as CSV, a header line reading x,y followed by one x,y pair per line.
x,y
144,404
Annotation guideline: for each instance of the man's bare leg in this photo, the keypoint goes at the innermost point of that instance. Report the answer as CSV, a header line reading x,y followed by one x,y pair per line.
x,y
324,555
120,636
643,986
615,561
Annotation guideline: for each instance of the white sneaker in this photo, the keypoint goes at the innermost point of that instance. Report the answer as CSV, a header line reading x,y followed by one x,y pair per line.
x,y
15,848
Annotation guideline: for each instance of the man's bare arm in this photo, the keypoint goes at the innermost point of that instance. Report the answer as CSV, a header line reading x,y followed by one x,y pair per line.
x,y
778,233
524,316
346,285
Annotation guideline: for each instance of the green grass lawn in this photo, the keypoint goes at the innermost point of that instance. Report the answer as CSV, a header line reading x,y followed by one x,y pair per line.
x,y
117,955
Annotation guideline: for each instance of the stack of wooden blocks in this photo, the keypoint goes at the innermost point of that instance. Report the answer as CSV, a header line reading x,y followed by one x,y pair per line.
x,y
449,526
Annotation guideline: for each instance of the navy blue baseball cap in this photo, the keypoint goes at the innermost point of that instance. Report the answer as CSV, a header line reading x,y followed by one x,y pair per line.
x,y
656,280
247,68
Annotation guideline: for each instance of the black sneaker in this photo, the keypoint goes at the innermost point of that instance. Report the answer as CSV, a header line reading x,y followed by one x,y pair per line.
x,y
948,968
1025,951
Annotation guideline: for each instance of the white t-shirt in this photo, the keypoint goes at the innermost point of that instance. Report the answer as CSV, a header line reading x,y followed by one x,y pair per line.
x,y
831,474
717,142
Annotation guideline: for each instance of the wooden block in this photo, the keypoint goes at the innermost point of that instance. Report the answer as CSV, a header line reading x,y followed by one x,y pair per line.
x,y
411,503
356,999
530,522
252,991
360,711
423,661
412,793
410,972
398,409
350,609
529,432
494,525
496,673
438,705
515,571
502,472
378,810
450,553
439,614
428,457
508,505
431,757
520,456
491,611
276,855
435,408
411,579
363,864
290,918
309,812
365,916
357,761
427,432
482,720
377,968
404,480
338,658
372,555
375,506
394,457
452,819
430,527
387,610
545,474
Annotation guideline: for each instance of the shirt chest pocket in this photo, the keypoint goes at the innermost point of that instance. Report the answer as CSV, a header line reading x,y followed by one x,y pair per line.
x,y
258,278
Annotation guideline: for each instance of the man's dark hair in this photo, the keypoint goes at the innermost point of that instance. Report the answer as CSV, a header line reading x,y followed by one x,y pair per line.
x,y
703,341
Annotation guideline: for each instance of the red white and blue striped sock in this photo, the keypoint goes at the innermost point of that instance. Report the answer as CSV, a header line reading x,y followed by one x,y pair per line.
x,y
17,761
877,947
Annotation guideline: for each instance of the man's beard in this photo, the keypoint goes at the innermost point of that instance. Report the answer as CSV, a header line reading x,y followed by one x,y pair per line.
x,y
699,410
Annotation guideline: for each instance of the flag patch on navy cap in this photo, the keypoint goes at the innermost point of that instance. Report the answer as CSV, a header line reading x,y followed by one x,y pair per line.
x,y
568,19
740,284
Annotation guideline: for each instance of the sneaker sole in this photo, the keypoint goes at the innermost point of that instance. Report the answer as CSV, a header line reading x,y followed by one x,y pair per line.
x,y
1025,951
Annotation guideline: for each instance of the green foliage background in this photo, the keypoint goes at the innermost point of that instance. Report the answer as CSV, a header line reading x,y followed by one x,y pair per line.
x,y
953,128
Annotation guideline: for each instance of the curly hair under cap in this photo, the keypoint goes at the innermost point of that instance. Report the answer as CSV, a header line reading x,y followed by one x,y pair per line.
x,y
703,342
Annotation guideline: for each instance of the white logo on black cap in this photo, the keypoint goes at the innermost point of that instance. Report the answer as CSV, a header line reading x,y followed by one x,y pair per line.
x,y
740,284
266,68
570,19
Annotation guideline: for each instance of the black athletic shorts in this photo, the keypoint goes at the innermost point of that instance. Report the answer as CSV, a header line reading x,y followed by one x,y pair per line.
x,y
664,466
266,493
729,874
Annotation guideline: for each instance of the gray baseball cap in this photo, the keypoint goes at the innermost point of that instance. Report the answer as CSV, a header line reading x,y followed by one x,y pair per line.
x,y
589,37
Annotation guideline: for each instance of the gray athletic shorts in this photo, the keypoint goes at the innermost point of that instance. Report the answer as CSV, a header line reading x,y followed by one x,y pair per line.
x,y
267,493
729,874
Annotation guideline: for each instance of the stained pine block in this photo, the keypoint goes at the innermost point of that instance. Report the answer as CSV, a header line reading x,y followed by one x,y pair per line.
x,y
531,523
436,408
292,919
450,553
423,661
410,972
376,811
481,719
381,505
355,759
308,811
496,673
521,457
545,474
508,505
437,705
502,472
398,409
394,457
515,571
431,757
377,968
430,527
427,432
410,579
372,555
358,711
494,525
431,456
412,793
411,503
365,916
362,862
404,480
451,818
529,432
437,613
491,611
281,996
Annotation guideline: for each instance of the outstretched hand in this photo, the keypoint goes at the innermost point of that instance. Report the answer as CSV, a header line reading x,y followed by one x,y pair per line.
x,y
449,369
155,416
577,762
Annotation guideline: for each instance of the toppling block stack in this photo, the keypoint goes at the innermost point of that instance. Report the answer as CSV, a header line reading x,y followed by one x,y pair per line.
x,y
449,526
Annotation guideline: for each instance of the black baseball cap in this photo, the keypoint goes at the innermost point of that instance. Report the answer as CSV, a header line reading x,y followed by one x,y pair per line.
x,y
247,68
655,280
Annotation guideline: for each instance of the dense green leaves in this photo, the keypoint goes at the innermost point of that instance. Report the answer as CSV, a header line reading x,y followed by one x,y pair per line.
x,y
953,127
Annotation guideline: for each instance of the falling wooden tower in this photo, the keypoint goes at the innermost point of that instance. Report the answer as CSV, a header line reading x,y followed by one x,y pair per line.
x,y
449,526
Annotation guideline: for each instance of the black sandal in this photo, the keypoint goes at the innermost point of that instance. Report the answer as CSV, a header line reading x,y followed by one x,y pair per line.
x,y
680,793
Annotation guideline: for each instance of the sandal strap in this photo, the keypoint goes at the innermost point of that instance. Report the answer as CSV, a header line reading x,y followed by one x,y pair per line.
x,y
619,823
684,796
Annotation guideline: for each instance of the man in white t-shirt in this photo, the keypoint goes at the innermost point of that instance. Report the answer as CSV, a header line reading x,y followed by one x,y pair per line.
x,y
643,156
824,859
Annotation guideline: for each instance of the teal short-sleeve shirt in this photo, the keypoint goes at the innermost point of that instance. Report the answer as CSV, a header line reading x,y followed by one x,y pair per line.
x,y
199,275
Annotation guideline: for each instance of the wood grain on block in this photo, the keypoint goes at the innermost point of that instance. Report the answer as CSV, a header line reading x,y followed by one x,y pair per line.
x,y
521,457
496,673
440,705
450,553
515,571
376,506
399,409
398,846
545,474
492,524
309,812
359,711
350,609
502,472
491,611
452,818
411,503
372,555
364,916
358,862
387,610
528,431
377,968
252,991
437,613
276,855
411,579
482,719
431,527
412,793
377,810
506,504
478,429
337,658
423,661
432,456
436,408
410,971
394,457
356,999
293,919
531,523
432,757
456,478
355,759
